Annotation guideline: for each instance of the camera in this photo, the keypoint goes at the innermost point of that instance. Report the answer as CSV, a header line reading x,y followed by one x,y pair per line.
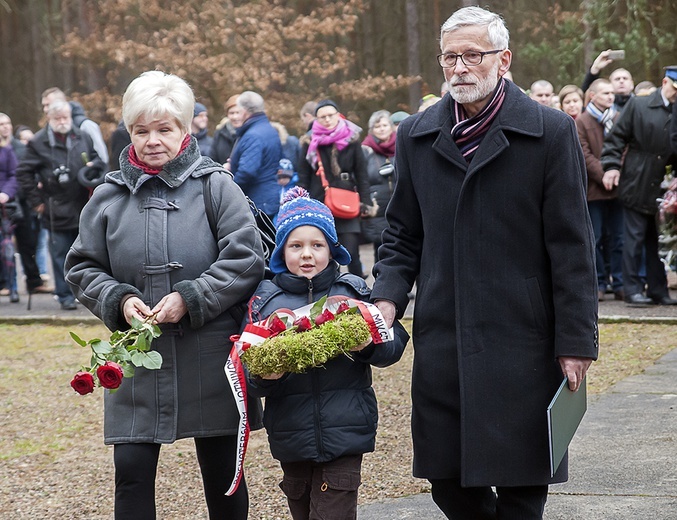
x,y
62,174
387,169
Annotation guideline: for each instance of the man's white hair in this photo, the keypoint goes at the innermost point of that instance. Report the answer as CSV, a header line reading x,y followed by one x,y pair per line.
x,y
468,16
251,102
58,106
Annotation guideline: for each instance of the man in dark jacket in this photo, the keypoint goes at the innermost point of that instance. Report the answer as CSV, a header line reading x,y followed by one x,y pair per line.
x,y
80,120
642,130
48,175
256,156
199,130
489,217
620,78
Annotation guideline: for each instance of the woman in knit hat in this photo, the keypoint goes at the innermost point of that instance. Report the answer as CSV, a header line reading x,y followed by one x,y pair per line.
x,y
335,144
320,422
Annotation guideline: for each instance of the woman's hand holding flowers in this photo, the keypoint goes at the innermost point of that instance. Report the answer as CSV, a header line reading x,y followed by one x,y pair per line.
x,y
134,307
170,309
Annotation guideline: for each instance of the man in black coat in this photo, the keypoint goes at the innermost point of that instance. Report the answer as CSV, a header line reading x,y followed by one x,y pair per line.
x,y
489,217
671,72
642,130
48,176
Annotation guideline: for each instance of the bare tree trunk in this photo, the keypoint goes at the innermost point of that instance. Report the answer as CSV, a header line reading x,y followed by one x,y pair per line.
x,y
413,58
368,57
437,21
588,43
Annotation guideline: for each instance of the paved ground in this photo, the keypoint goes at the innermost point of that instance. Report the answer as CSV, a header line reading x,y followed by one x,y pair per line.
x,y
622,458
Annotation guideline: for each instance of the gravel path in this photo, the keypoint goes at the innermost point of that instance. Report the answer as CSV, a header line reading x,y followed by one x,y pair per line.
x,y
55,466
54,463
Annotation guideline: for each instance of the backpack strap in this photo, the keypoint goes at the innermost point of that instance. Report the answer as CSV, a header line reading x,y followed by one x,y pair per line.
x,y
209,207
264,225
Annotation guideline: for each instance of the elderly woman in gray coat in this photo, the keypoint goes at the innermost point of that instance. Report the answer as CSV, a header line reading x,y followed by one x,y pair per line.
x,y
148,245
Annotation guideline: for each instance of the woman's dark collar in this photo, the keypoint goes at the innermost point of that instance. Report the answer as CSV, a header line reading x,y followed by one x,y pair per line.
x,y
173,173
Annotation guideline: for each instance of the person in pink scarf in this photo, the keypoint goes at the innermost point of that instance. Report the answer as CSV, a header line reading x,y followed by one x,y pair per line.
x,y
335,142
379,149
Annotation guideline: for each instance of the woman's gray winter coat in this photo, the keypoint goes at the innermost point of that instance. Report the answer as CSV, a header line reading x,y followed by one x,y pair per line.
x,y
148,236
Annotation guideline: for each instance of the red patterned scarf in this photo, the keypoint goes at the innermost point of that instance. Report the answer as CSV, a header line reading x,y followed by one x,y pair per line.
x,y
469,132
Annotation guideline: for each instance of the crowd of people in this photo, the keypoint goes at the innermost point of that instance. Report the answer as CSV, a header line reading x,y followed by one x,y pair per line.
x,y
268,161
52,174
627,140
480,199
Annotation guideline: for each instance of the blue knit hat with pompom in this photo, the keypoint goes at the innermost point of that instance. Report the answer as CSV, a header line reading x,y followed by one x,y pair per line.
x,y
297,210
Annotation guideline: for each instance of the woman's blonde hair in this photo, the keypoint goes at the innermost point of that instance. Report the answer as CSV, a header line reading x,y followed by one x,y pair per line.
x,y
569,89
156,94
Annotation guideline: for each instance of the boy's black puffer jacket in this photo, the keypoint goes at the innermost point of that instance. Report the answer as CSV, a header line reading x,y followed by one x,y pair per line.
x,y
329,411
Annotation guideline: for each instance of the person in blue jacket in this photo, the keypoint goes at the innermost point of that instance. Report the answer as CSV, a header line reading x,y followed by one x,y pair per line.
x,y
320,422
256,155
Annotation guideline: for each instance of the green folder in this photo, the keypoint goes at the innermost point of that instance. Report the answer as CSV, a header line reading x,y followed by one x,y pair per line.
x,y
565,412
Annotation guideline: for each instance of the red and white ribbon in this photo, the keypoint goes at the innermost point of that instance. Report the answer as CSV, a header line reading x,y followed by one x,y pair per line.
x,y
255,334
380,333
238,385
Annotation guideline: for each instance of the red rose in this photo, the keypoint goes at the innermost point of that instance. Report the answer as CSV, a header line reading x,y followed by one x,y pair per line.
x,y
110,375
343,307
276,325
83,383
324,317
303,324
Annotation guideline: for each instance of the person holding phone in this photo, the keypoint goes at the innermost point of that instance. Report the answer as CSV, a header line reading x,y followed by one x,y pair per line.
x,y
620,78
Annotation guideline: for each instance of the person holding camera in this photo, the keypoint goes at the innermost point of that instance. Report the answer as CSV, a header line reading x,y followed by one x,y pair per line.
x,y
379,149
56,174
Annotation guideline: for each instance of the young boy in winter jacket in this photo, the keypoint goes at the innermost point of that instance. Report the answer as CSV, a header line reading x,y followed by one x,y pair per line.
x,y
320,422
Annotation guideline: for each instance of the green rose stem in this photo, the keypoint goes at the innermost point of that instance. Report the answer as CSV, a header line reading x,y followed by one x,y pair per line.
x,y
129,349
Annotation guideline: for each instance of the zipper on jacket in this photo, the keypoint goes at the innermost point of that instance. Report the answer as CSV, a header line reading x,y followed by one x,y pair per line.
x,y
316,413
310,291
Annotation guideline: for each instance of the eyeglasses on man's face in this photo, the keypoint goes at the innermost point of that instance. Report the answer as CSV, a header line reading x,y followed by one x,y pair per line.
x,y
469,58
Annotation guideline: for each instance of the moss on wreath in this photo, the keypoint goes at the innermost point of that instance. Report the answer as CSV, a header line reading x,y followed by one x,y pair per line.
x,y
296,352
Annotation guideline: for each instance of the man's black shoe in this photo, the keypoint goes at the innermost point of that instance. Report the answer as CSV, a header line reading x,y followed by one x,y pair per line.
x,y
638,299
665,300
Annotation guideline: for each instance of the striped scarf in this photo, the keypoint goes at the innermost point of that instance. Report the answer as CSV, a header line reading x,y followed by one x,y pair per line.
x,y
606,118
468,133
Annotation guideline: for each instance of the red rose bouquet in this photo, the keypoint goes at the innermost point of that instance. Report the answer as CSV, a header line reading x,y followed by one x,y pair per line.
x,y
117,358
294,341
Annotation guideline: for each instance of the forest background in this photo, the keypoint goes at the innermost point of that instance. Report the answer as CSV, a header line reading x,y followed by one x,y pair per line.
x,y
365,54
